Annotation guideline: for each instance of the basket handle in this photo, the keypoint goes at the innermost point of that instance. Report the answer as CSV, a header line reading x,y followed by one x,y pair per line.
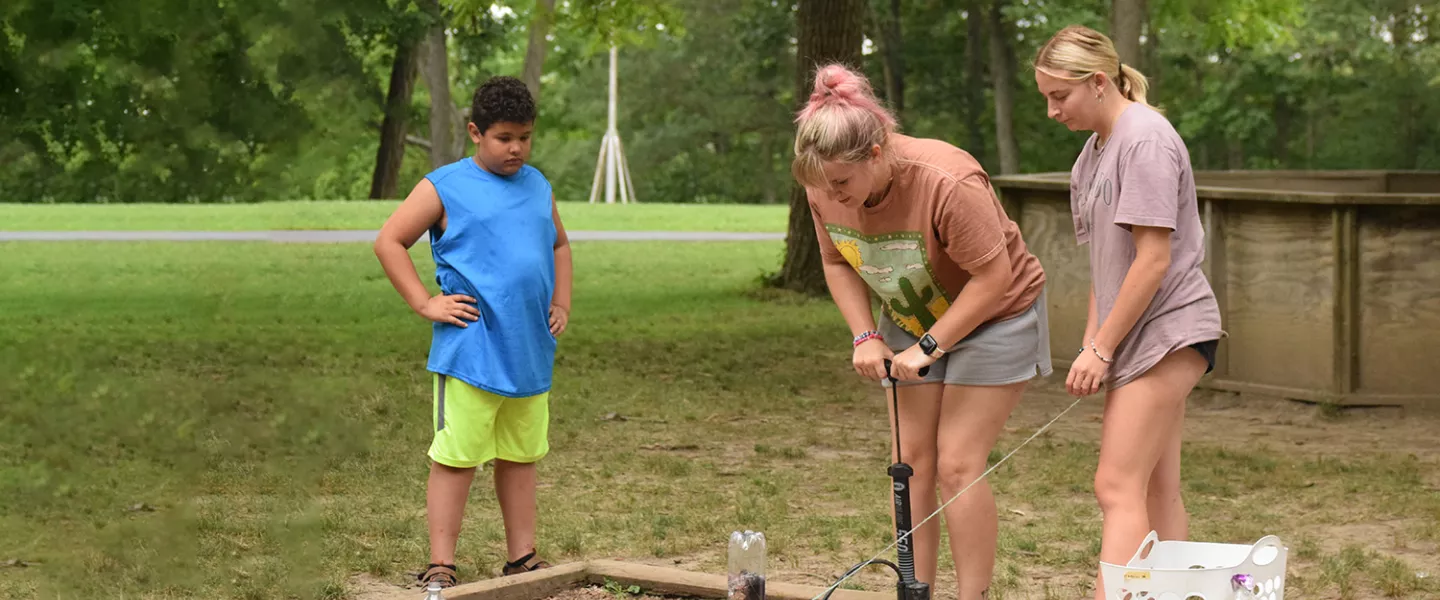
x,y
1266,551
1146,546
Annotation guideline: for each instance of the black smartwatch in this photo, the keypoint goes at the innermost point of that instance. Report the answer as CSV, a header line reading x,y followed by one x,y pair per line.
x,y
930,347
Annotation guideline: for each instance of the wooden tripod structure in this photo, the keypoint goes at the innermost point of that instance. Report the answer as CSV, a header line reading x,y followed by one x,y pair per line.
x,y
611,165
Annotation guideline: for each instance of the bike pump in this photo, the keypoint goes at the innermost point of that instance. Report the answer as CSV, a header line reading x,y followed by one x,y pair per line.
x,y
908,588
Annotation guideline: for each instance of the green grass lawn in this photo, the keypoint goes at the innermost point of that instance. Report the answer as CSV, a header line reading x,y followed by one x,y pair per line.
x,y
370,215
233,420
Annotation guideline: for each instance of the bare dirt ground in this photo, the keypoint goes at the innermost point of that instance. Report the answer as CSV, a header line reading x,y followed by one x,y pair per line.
x,y
1299,431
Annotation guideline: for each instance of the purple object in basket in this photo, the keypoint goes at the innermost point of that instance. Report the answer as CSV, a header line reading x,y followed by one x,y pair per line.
x,y
1244,586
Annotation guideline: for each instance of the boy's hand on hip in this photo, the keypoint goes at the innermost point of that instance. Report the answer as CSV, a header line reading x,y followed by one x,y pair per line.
x,y
559,318
454,309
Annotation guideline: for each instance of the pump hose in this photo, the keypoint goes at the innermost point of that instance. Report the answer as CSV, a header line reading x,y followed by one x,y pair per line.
x,y
873,561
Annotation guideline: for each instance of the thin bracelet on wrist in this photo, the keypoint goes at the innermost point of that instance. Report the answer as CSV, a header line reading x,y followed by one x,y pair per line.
x,y
1096,350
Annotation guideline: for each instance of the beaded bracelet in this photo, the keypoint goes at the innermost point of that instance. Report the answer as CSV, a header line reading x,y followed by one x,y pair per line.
x,y
867,336
1097,353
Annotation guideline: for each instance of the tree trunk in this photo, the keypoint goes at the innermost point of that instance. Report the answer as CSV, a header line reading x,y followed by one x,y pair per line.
x,y
1207,138
1235,154
1310,138
1126,18
1002,69
1151,64
894,59
874,29
975,78
445,140
827,31
391,152
535,48
1402,33
1284,117
767,158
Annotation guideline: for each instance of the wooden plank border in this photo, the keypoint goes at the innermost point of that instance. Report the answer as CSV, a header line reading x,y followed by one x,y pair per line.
x,y
537,585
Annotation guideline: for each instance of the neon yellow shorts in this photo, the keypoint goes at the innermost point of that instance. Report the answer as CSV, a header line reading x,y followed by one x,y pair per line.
x,y
473,426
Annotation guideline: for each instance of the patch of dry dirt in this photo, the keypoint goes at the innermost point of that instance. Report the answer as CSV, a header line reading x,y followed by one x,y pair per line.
x,y
1234,420
1302,431
1212,418
365,586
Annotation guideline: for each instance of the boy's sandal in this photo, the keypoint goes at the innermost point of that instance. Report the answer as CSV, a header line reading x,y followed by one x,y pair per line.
x,y
525,564
443,574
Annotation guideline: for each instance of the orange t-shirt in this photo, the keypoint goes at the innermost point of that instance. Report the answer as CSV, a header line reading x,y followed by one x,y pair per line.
x,y
914,248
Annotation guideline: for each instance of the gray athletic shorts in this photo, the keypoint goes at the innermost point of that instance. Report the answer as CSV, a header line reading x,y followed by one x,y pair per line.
x,y
1000,353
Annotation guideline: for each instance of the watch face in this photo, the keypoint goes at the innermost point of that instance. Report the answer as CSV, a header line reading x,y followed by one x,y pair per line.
x,y
927,344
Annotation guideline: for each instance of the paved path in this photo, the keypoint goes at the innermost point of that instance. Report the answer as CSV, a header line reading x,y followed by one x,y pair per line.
x,y
323,236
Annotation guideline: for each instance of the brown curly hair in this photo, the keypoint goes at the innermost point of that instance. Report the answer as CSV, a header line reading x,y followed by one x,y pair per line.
x,y
502,98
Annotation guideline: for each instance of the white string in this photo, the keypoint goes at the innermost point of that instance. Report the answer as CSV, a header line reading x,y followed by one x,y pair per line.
x,y
952,499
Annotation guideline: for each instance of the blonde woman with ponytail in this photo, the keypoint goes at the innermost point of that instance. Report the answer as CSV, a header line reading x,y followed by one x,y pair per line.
x,y
1153,323
917,222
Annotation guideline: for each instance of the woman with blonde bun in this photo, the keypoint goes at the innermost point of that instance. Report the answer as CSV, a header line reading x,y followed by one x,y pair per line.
x,y
917,222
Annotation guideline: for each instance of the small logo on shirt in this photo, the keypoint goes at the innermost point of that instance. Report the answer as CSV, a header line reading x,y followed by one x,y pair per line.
x,y
1100,189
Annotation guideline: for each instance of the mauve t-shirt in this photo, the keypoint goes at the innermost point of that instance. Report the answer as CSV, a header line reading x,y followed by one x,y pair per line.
x,y
1142,176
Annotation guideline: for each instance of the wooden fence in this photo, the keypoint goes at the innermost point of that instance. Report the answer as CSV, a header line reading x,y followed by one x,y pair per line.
x,y
1328,282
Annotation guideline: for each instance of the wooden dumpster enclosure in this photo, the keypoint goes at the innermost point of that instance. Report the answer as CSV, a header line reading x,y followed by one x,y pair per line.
x,y
1328,282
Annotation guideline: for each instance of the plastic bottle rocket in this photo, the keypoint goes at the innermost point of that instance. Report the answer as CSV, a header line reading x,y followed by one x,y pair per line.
x,y
746,580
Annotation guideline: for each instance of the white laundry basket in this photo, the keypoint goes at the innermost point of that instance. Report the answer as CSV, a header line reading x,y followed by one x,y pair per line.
x,y
1176,570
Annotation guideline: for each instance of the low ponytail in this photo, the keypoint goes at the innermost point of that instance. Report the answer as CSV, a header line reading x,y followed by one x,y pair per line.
x,y
1077,53
1133,84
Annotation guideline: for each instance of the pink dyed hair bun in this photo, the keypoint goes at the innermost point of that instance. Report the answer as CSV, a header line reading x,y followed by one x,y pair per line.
x,y
838,86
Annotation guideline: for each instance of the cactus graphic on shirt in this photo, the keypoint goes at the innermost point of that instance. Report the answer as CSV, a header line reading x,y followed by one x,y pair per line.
x,y
897,268
916,306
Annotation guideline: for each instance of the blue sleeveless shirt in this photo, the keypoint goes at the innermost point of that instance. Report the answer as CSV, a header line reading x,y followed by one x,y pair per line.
x,y
498,247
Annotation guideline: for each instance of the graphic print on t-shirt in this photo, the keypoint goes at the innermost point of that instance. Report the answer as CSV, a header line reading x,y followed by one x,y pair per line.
x,y
1100,190
895,266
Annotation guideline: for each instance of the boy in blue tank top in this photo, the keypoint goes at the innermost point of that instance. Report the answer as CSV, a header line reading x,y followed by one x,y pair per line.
x,y
502,263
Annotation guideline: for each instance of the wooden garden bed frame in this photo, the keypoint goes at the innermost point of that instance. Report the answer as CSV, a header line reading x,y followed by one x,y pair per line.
x,y
662,581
